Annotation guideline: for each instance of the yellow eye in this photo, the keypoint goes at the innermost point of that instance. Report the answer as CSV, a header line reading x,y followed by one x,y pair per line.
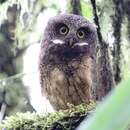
x,y
63,30
81,34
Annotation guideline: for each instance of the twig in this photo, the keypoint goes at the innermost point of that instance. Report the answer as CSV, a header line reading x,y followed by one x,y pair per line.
x,y
17,76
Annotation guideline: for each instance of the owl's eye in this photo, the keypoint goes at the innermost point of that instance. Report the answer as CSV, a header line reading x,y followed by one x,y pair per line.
x,y
81,34
63,30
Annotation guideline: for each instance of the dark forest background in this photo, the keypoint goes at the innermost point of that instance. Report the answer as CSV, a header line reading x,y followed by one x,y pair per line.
x,y
18,22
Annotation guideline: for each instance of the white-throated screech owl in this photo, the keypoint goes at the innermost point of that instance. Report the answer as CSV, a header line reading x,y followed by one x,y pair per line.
x,y
68,60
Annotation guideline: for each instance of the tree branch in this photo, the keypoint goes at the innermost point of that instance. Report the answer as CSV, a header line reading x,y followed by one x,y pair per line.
x,y
76,7
96,20
105,74
117,25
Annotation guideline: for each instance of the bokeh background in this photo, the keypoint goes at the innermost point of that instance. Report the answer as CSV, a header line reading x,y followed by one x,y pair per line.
x,y
22,24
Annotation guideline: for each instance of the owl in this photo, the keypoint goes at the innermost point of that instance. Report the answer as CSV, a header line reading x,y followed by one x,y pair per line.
x,y
68,61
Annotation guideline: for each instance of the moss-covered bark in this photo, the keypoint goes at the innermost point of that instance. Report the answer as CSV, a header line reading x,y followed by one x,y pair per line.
x,y
61,120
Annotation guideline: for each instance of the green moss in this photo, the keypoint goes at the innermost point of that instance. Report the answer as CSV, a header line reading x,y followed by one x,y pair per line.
x,y
32,121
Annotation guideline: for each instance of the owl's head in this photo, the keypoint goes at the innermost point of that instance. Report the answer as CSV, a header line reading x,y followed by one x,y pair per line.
x,y
69,36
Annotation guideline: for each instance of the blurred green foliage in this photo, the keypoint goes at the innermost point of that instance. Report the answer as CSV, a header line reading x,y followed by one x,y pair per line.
x,y
114,112
87,9
25,33
2,1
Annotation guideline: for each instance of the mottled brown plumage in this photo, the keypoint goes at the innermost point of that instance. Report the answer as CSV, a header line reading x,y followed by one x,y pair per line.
x,y
68,61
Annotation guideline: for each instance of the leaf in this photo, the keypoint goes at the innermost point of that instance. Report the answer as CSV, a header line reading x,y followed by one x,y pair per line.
x,y
113,113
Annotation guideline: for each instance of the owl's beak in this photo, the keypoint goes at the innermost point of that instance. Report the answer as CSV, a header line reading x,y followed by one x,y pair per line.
x,y
71,42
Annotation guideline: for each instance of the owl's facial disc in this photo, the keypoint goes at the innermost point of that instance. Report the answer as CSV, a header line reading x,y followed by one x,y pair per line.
x,y
71,44
68,48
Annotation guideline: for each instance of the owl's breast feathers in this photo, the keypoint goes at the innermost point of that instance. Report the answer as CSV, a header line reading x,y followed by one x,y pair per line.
x,y
68,82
